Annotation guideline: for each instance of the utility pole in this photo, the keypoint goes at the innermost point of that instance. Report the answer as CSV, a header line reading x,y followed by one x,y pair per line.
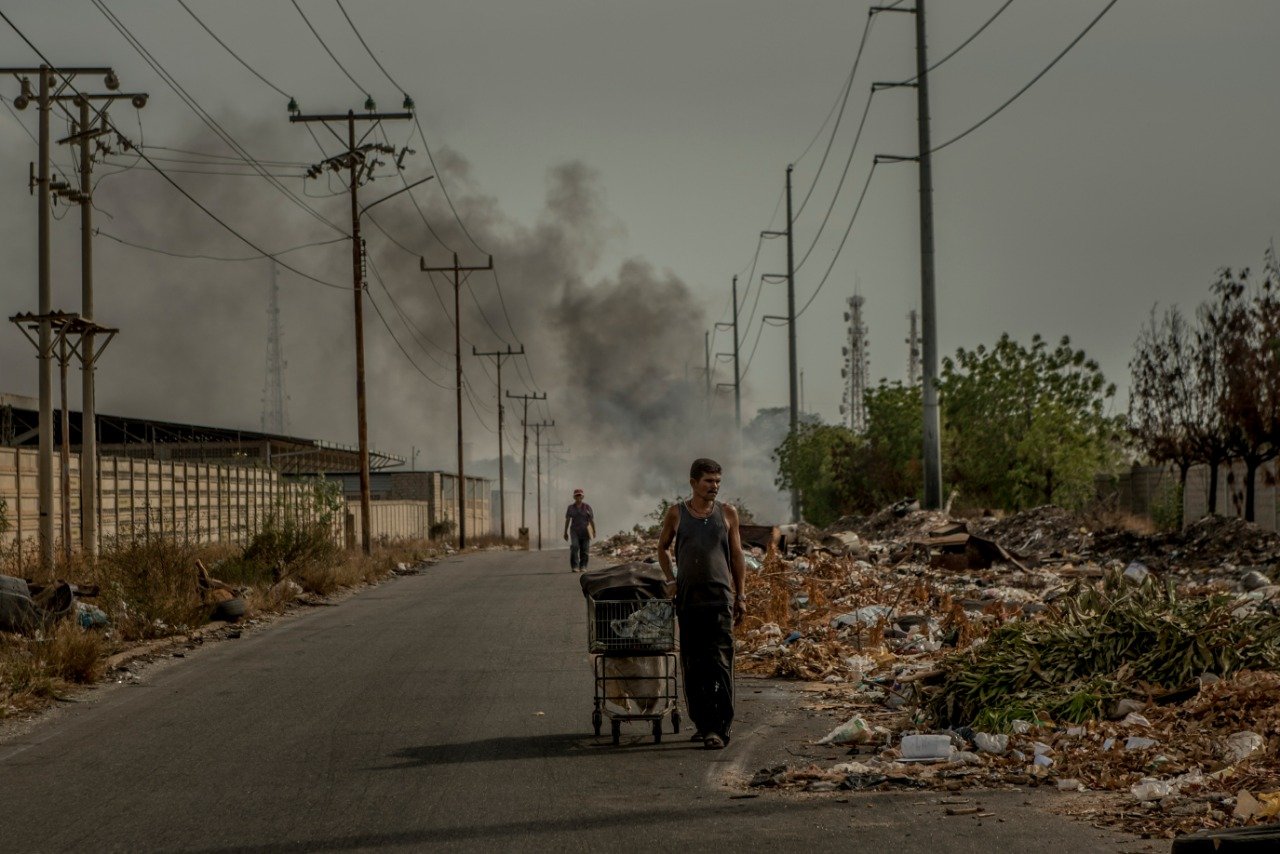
x,y
737,373
932,446
359,160
498,356
928,308
551,481
524,457
706,365
457,271
791,329
537,432
47,93
273,396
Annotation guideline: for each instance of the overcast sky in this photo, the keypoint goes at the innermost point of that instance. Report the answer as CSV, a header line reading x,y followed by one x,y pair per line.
x,y
1142,162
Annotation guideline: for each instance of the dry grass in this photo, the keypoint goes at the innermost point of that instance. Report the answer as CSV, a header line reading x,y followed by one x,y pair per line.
x,y
149,590
34,670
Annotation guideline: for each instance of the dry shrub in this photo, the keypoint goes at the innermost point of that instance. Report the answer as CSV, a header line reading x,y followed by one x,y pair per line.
x,y
39,668
149,587
72,653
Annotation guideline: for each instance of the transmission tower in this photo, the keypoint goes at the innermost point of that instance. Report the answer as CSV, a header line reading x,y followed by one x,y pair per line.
x,y
854,407
913,350
274,419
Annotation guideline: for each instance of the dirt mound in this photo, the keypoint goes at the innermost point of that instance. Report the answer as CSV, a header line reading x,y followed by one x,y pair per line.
x,y
1223,539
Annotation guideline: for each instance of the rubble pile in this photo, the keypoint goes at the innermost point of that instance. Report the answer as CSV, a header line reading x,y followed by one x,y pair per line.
x,y
1026,651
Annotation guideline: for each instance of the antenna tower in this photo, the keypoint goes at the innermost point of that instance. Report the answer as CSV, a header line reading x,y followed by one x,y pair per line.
x,y
274,419
913,350
855,370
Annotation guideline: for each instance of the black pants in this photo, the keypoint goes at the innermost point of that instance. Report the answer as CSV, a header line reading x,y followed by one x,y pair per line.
x,y
579,550
706,654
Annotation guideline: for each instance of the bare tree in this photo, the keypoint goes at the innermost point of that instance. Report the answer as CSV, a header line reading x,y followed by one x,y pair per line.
x,y
1164,407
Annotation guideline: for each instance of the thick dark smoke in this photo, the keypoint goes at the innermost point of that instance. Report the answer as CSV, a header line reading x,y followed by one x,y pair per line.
x,y
619,352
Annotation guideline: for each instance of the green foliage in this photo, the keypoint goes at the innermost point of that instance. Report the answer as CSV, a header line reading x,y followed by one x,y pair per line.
x,y
1026,425
4,516
282,547
816,459
1166,507
1096,647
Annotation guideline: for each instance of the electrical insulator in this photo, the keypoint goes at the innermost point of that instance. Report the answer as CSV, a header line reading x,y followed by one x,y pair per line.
x,y
370,104
408,103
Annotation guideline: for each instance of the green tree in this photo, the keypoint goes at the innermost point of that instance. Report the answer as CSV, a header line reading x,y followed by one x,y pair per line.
x,y
815,459
895,437
1026,425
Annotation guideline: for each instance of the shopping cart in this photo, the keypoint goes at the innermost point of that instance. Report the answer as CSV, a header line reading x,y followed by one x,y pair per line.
x,y
633,645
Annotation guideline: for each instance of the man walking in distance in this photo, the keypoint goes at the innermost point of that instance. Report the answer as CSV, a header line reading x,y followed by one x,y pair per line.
x,y
710,598
579,529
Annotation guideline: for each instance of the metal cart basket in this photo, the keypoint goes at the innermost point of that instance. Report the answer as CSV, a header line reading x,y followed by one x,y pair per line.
x,y
633,646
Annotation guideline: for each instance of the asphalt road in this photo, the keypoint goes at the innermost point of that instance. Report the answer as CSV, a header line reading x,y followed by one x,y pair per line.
x,y
450,711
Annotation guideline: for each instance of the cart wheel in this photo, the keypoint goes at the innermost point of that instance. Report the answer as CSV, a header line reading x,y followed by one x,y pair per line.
x,y
675,722
657,731
596,720
617,732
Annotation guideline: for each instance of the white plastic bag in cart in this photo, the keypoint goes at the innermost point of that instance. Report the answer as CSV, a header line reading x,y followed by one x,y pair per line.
x,y
633,686
649,624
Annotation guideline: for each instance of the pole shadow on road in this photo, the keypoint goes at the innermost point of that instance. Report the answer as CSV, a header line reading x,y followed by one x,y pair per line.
x,y
504,748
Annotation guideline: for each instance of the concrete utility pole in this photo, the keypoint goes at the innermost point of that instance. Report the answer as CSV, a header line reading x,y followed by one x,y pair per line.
x,y
359,165
457,271
928,308
55,87
498,356
794,387
537,432
932,446
524,457
737,373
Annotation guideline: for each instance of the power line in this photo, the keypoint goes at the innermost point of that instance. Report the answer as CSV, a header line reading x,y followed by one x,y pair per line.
x,y
998,110
839,186
314,32
849,230
844,102
400,346
204,115
368,50
173,183
964,43
228,49
202,257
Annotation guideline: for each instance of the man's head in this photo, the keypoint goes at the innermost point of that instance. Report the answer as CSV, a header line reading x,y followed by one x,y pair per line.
x,y
577,496
704,477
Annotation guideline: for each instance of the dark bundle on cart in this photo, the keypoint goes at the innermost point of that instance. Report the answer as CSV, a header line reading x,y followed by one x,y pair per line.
x,y
631,632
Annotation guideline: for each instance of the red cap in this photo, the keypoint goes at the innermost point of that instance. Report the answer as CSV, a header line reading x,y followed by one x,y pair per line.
x,y
577,492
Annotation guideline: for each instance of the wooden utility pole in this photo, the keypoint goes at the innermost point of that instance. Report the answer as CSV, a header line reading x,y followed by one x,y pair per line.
x,y
498,356
457,271
524,457
359,164
537,432
55,86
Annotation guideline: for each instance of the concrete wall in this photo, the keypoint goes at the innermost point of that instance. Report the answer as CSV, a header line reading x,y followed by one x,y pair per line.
x,y
193,502
396,520
1140,490
1231,484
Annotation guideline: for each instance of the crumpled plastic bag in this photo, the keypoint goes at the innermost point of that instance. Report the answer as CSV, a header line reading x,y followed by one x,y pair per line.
x,y
853,731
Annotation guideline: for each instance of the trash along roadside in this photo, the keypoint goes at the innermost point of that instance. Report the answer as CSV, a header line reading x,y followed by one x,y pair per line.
x,y
1033,650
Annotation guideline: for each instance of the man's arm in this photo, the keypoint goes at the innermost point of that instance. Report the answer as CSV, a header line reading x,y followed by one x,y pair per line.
x,y
737,563
591,522
670,522
566,524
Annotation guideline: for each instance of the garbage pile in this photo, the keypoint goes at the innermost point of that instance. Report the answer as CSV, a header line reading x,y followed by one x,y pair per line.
x,y
1024,651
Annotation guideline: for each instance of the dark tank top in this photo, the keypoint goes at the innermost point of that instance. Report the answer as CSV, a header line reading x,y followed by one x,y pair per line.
x,y
703,575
